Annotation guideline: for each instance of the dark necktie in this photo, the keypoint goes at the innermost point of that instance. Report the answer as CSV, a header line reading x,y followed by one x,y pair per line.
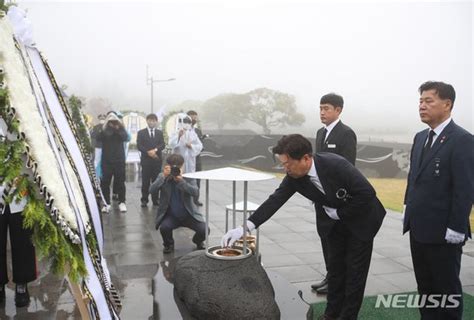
x,y
323,139
152,133
428,144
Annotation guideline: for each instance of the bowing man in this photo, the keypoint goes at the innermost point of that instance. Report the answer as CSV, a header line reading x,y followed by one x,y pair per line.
x,y
348,214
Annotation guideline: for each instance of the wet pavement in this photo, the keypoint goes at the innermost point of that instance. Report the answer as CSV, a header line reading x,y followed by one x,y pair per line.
x,y
289,245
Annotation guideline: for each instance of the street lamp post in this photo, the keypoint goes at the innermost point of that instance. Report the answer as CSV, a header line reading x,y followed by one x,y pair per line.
x,y
150,81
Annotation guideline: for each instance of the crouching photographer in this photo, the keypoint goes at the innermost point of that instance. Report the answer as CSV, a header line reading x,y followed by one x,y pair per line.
x,y
176,206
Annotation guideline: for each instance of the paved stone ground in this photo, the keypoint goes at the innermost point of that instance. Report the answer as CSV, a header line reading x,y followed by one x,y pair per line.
x,y
289,246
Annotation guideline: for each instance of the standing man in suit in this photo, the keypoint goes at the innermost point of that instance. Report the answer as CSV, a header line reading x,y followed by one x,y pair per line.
x,y
150,143
334,137
348,214
438,199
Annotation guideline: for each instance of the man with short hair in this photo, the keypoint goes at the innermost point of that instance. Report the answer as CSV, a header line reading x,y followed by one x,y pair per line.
x,y
438,201
348,214
150,143
176,206
334,137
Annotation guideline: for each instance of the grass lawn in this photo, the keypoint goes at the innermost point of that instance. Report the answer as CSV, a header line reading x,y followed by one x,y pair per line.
x,y
392,191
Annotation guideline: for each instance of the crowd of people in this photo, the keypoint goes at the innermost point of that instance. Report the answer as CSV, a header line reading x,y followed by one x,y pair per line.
x,y
175,198
437,204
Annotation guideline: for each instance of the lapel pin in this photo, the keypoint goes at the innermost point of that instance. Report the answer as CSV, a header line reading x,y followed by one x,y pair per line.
x,y
442,139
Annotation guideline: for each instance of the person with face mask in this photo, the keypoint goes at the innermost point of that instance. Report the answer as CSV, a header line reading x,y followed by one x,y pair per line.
x,y
185,141
112,137
194,118
150,143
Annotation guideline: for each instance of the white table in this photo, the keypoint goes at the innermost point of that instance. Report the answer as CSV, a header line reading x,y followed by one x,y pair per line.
x,y
228,174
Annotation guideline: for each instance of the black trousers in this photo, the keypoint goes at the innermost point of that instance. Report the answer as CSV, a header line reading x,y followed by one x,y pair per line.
x,y
150,170
325,246
117,171
348,266
23,252
437,268
170,223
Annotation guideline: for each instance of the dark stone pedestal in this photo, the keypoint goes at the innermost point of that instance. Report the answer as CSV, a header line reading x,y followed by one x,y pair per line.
x,y
224,289
167,294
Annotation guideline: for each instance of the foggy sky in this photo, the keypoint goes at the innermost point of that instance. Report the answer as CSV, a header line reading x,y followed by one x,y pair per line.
x,y
374,54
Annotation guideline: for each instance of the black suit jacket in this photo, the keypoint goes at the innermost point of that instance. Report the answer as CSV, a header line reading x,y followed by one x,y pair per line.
x,y
342,140
440,190
362,213
146,143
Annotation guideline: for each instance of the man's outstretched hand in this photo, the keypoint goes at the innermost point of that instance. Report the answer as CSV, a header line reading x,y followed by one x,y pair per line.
x,y
235,234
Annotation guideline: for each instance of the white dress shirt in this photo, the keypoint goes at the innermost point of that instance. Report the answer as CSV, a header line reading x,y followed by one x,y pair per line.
x,y
438,130
313,176
151,132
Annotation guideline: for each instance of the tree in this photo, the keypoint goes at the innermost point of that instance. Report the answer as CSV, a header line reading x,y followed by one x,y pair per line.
x,y
265,107
269,108
227,108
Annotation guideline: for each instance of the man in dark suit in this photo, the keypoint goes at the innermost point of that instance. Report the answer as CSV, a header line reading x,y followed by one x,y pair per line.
x,y
150,143
438,200
334,137
348,214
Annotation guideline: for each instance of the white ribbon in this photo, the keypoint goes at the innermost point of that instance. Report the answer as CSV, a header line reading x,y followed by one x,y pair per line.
x,y
21,26
52,101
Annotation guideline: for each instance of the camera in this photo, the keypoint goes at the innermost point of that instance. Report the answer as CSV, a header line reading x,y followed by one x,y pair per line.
x,y
175,171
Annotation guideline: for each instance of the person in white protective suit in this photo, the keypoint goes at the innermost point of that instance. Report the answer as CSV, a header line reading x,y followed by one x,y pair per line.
x,y
184,141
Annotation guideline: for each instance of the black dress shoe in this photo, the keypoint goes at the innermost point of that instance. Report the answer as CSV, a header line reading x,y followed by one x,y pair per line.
x,y
200,246
155,204
144,204
320,284
323,289
168,249
22,297
198,203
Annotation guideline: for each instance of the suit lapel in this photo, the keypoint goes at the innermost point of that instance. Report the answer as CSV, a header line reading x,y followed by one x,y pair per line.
x,y
328,187
439,143
418,150
321,174
333,132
